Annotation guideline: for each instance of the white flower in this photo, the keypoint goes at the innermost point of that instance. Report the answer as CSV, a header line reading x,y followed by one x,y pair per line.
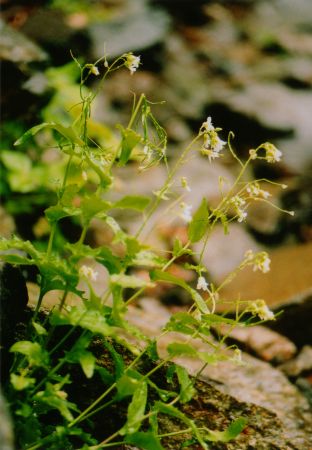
x,y
241,214
186,211
95,70
212,143
184,184
254,190
88,273
260,261
272,154
259,308
239,205
132,62
207,125
202,284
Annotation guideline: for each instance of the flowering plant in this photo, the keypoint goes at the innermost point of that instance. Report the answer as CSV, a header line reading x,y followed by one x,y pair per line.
x,y
41,374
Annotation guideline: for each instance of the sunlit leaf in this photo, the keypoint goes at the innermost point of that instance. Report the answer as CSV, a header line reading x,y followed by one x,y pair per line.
x,y
136,202
20,382
199,223
129,140
90,319
187,390
67,132
136,409
87,361
127,384
234,429
157,275
181,349
33,351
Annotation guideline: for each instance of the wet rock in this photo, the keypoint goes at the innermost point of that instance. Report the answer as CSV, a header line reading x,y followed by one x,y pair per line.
x,y
266,344
268,103
301,363
135,28
224,253
17,48
286,418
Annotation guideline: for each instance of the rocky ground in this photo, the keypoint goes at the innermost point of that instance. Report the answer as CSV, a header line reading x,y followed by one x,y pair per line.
x,y
248,64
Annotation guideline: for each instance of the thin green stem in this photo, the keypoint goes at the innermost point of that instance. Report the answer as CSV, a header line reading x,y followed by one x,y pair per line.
x,y
166,185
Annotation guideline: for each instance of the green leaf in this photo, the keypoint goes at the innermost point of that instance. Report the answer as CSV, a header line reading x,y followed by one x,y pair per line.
x,y
234,429
16,161
54,398
144,440
40,330
187,390
136,202
136,410
89,319
127,384
199,223
118,360
158,275
151,350
16,259
182,322
129,281
67,132
35,354
181,349
91,207
57,212
179,250
129,140
147,258
19,382
87,362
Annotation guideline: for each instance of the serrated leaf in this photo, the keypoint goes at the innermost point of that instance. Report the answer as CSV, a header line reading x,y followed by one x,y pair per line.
x,y
234,429
157,275
187,390
128,281
19,382
89,319
57,212
147,258
16,259
181,349
136,202
91,207
182,323
54,398
127,384
33,351
129,140
67,132
144,440
136,410
199,223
